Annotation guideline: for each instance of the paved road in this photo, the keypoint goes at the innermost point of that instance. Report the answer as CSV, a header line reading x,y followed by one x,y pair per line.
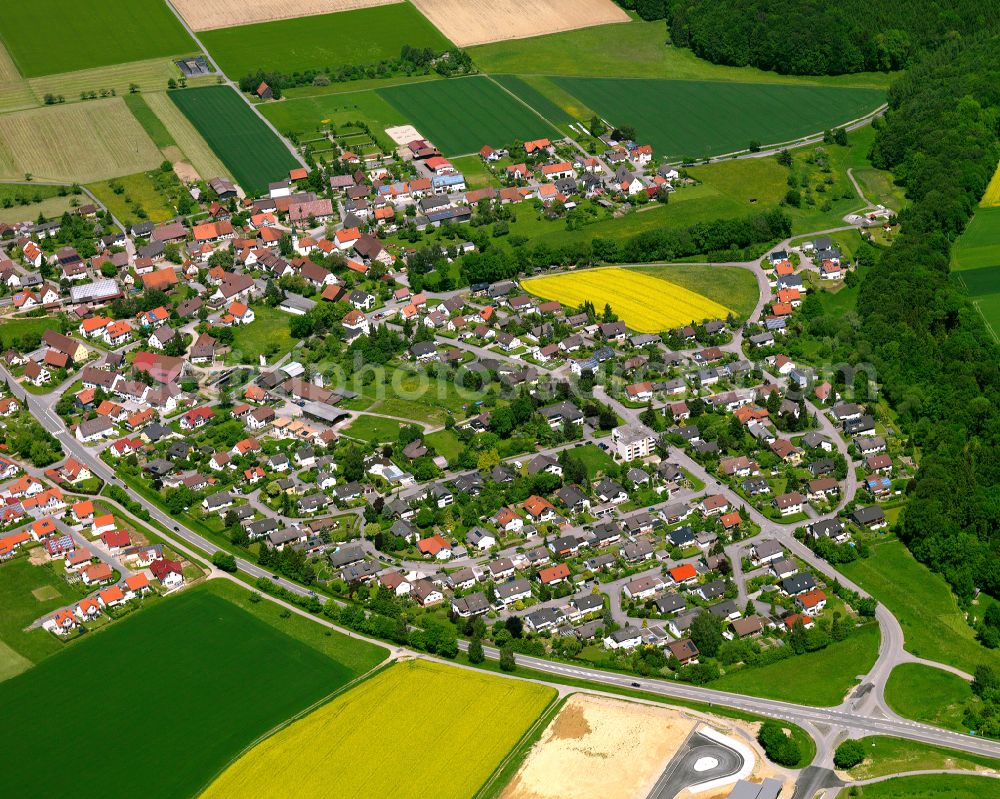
x,y
680,771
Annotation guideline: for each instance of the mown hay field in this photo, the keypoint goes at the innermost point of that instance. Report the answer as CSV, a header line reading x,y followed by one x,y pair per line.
x,y
81,142
46,37
202,16
195,678
330,40
149,75
444,731
646,304
184,136
463,114
248,148
468,22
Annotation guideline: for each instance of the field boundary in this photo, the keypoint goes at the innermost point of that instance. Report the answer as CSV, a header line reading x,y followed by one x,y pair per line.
x,y
385,664
522,748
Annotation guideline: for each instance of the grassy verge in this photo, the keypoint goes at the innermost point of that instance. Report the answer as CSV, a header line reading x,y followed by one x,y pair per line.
x,y
930,695
895,755
932,786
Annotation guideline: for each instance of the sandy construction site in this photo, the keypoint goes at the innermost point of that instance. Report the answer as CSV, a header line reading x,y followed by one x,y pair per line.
x,y
469,22
604,748
203,15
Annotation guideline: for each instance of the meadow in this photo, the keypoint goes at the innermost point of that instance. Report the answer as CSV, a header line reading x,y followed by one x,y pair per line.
x,y
89,33
166,676
645,303
929,695
20,203
833,672
248,148
633,50
934,626
328,40
440,720
463,114
18,580
138,191
80,142
895,755
149,75
305,115
931,786
685,119
268,336
729,286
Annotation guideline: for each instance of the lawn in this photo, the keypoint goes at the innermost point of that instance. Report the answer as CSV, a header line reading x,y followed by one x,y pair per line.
x,y
729,286
446,443
932,786
595,459
463,114
632,50
267,335
833,672
19,649
137,192
411,394
373,429
477,174
26,329
645,303
930,695
187,655
247,147
895,755
430,712
933,625
326,40
78,142
89,33
688,119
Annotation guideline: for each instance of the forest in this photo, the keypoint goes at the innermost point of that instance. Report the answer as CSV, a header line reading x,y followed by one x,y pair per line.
x,y
819,37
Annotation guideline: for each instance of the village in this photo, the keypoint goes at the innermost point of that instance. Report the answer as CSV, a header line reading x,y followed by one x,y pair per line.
x,y
623,486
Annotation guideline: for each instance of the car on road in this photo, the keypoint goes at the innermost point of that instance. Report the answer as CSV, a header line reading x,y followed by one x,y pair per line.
x,y
636,684
275,577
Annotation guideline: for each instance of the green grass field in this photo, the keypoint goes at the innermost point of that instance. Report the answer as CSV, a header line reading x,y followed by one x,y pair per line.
x,y
217,677
463,114
975,263
13,330
332,746
373,429
360,36
268,335
246,146
632,50
693,119
732,287
895,755
307,114
89,33
933,624
446,443
18,648
21,203
833,671
932,786
930,695
595,459
142,191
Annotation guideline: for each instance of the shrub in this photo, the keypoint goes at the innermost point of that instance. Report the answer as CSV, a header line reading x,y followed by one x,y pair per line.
x,y
849,754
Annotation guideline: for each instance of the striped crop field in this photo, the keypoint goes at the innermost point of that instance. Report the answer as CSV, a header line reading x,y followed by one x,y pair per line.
x,y
645,303
397,733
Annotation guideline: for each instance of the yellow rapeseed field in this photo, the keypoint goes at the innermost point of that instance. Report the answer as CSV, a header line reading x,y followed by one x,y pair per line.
x,y
991,198
418,729
645,303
